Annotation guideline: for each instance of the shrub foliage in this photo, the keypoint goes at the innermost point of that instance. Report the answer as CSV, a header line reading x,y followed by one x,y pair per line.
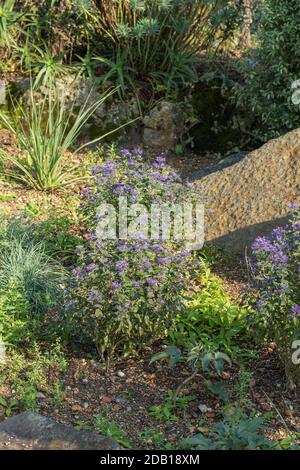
x,y
130,290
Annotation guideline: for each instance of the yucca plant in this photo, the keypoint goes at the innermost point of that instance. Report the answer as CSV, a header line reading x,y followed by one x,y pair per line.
x,y
44,134
118,70
147,31
8,19
44,65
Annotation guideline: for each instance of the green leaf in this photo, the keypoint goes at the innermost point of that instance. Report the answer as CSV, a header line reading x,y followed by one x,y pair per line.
x,y
206,360
171,352
219,360
218,389
3,402
198,442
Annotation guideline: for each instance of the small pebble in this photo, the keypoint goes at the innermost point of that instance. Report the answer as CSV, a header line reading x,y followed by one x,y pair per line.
x,y
104,399
204,409
120,400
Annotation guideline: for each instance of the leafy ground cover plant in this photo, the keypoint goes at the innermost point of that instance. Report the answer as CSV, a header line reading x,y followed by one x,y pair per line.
x,y
272,68
210,317
168,410
27,374
238,430
15,315
153,439
129,290
197,360
232,434
105,426
276,274
58,235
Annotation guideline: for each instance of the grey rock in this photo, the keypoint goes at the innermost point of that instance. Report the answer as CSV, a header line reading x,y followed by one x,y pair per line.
x,y
163,126
36,432
249,195
76,92
120,400
204,409
221,165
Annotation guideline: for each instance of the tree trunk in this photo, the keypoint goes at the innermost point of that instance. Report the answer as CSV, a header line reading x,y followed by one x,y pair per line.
x,y
248,7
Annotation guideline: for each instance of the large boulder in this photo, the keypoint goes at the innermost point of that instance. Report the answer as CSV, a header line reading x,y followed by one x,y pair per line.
x,y
251,194
32,431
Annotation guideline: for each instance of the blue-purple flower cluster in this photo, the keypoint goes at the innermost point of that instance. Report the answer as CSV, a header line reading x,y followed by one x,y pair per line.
x,y
276,265
130,290
126,174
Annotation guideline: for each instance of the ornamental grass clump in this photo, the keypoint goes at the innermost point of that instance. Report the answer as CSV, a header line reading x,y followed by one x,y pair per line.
x,y
31,284
276,272
45,134
129,290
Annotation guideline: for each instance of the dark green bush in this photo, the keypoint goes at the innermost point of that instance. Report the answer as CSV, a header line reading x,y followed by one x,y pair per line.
x,y
272,68
210,319
67,27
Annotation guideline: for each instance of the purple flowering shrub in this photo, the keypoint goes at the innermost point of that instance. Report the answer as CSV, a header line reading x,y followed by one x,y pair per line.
x,y
276,269
129,290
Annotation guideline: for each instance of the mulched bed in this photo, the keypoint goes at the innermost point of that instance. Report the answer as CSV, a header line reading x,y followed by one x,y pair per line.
x,y
127,392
